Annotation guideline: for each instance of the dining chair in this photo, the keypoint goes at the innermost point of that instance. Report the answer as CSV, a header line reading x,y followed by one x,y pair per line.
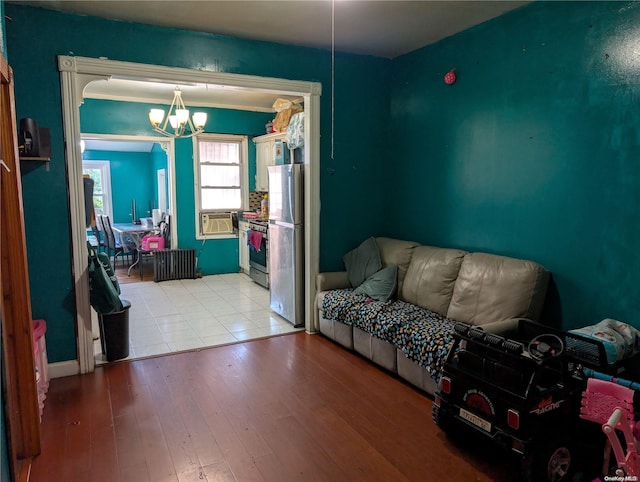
x,y
113,245
105,241
100,246
165,230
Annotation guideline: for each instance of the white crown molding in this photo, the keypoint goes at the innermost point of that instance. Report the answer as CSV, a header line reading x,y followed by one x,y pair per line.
x,y
130,70
165,101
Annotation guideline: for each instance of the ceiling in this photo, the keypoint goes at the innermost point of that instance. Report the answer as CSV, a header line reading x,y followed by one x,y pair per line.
x,y
371,27
117,145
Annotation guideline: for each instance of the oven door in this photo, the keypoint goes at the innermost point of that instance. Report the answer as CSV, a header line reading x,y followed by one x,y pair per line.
x,y
260,259
259,263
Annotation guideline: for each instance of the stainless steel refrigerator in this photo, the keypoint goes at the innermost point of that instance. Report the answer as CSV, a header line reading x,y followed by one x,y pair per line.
x,y
286,242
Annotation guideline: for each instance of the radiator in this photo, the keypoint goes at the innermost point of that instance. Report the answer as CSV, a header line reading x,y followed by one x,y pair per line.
x,y
174,264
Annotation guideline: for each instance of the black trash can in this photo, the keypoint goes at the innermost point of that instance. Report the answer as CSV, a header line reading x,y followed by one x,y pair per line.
x,y
114,333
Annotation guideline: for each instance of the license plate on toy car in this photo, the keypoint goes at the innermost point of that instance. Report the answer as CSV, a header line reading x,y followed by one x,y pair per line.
x,y
474,419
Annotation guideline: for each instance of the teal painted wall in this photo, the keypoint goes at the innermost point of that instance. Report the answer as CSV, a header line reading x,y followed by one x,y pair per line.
x,y
215,256
350,211
533,152
132,177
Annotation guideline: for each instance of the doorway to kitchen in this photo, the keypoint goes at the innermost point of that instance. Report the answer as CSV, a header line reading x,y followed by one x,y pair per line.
x,y
170,316
78,72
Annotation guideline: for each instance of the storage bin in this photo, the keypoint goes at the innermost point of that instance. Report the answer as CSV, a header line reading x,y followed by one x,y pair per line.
x,y
114,333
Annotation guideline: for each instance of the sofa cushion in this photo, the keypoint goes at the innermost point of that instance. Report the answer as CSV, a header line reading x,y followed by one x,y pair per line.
x,y
375,317
362,262
426,339
431,277
493,288
381,285
422,335
396,252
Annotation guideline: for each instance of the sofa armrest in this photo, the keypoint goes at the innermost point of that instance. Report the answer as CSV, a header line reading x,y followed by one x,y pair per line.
x,y
504,328
332,281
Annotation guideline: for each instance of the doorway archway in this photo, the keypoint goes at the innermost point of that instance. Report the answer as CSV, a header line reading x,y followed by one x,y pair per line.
x,y
77,72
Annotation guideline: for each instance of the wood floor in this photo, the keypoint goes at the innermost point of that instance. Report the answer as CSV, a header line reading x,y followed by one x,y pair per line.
x,y
289,408
122,267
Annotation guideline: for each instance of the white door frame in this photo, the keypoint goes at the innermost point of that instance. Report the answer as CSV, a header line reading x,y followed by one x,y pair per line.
x,y
161,180
77,72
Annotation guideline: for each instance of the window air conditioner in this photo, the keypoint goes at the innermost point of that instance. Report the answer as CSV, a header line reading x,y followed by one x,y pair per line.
x,y
216,223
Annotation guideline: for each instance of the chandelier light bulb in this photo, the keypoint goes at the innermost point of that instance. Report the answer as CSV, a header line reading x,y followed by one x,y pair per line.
x,y
199,119
156,116
183,115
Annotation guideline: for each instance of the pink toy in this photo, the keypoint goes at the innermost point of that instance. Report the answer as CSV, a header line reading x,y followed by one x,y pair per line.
x,y
611,405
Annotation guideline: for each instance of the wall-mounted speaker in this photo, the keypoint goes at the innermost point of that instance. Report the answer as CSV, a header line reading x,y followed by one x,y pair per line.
x,y
34,141
29,138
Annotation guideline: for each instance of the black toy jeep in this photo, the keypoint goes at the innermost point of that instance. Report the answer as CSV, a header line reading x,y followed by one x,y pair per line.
x,y
523,393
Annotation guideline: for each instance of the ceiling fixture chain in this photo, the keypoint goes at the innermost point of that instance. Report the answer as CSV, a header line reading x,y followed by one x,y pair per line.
x,y
333,71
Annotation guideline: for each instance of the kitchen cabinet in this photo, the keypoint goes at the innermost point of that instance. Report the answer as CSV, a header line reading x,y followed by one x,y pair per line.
x,y
243,248
265,157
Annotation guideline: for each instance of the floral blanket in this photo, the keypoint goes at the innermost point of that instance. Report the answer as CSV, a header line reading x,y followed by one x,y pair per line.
x,y
423,336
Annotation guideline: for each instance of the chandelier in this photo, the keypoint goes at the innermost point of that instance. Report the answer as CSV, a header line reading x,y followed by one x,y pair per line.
x,y
181,123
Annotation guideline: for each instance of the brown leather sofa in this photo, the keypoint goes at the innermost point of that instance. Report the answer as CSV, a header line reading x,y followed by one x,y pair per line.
x,y
478,288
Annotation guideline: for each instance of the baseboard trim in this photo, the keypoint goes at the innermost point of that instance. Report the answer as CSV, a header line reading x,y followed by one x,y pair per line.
x,y
64,369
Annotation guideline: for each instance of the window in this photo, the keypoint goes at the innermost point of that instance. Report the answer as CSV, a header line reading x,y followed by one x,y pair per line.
x,y
220,174
100,173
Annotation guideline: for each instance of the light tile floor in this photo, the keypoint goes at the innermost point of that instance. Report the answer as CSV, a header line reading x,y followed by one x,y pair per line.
x,y
173,316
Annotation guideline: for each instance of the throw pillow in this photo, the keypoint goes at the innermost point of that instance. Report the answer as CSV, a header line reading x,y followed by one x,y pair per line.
x,y
362,262
380,286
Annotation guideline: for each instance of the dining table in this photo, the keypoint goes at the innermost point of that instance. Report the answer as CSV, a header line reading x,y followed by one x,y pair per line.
x,y
130,237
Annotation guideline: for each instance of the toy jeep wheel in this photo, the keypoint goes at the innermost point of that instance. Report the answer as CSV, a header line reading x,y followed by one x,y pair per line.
x,y
551,462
